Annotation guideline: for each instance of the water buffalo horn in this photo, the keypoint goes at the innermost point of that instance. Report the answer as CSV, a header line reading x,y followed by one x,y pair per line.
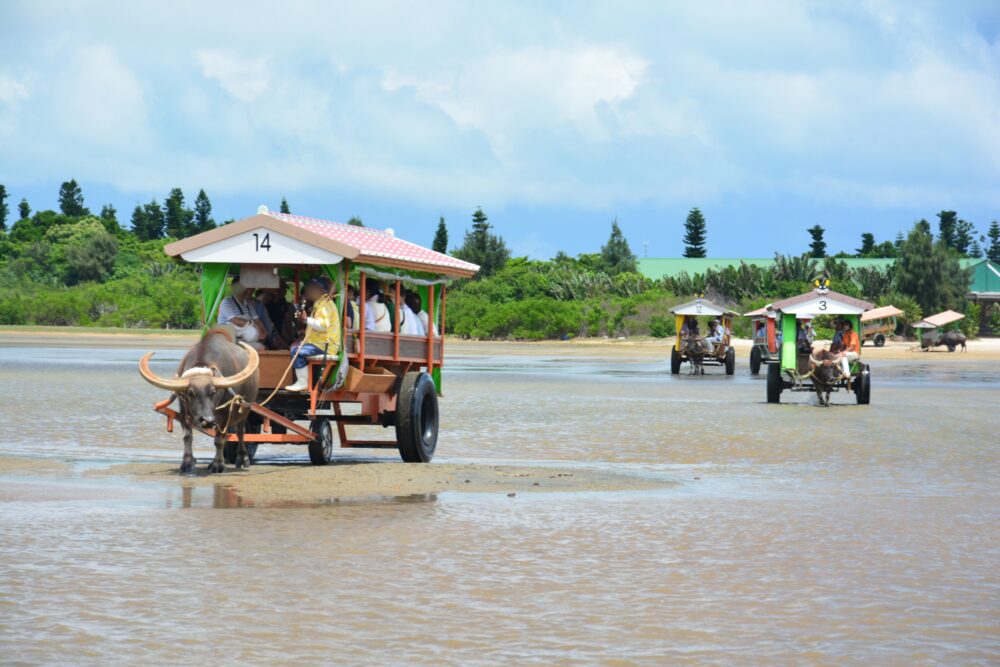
x,y
155,380
243,375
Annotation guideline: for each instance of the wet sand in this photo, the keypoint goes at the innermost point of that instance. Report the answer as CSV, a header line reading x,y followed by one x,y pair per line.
x,y
293,483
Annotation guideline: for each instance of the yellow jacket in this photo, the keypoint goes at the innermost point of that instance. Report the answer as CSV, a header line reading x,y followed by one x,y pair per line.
x,y
324,326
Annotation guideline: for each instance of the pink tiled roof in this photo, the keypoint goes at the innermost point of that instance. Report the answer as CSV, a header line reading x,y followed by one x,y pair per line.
x,y
375,244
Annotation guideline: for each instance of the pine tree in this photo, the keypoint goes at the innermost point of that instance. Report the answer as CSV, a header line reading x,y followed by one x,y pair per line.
x,y
965,232
178,219
975,250
817,249
616,255
4,209
930,273
482,247
71,199
203,213
695,234
440,243
284,206
867,245
109,216
948,228
899,240
993,249
24,209
355,222
148,221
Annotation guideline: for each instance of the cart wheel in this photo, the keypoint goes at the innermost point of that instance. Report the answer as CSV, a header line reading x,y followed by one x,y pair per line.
x,y
730,361
754,360
417,418
321,450
254,422
774,383
879,340
675,361
863,386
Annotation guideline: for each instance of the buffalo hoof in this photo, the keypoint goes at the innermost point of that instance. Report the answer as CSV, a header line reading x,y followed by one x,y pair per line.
x,y
217,466
187,465
243,464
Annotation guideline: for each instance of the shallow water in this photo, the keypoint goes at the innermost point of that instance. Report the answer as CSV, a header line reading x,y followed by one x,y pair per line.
x,y
849,535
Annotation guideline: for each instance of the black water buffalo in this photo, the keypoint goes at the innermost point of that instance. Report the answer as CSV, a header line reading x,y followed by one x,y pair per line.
x,y
695,349
215,382
953,340
826,373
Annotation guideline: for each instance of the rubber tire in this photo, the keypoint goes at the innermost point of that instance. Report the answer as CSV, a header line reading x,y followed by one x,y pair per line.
x,y
229,449
321,450
774,383
863,386
730,361
754,360
675,361
879,340
417,418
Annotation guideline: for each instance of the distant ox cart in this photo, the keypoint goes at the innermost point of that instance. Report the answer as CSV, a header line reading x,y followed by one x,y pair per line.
x,y
694,346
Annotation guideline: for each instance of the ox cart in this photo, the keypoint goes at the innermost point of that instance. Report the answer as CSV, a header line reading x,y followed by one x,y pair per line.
x,y
764,338
693,347
878,324
933,334
795,369
381,379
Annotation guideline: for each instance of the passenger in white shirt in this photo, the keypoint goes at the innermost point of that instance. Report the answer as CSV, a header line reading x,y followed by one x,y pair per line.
x,y
411,324
715,336
415,303
376,313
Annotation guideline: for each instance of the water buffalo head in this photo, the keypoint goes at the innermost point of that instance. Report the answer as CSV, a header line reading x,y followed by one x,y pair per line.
x,y
202,389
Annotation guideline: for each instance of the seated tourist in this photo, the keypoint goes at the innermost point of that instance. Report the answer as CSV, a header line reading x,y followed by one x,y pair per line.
x,y
716,334
376,312
690,326
352,306
280,312
838,330
416,304
806,336
410,323
240,311
322,331
852,348
264,318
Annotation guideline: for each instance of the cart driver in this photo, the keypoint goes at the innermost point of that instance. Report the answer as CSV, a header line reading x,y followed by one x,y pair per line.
x,y
239,311
852,348
690,326
322,331
716,334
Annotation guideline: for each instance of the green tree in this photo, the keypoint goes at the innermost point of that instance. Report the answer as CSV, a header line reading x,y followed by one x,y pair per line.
x,y
885,249
975,250
203,212
930,273
817,249
71,199
867,245
4,209
109,216
284,206
482,247
965,232
91,260
899,240
616,255
148,221
993,249
440,243
355,221
178,220
24,209
948,228
695,234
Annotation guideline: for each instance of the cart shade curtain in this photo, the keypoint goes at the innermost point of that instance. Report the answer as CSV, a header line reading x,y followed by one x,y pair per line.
x,y
213,291
337,274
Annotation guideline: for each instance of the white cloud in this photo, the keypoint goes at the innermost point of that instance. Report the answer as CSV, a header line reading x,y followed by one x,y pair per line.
x,y
245,78
12,91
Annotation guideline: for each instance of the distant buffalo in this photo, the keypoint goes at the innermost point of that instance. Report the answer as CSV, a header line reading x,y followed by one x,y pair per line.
x,y
953,340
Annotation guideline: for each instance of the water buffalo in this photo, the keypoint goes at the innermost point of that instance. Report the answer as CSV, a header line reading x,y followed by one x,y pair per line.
x,y
213,373
953,339
695,349
826,373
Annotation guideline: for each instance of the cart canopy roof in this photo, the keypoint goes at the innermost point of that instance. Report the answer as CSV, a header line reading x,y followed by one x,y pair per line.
x,y
760,312
939,320
879,313
699,307
294,240
822,302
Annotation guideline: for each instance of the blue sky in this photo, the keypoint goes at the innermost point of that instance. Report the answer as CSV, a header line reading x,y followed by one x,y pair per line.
x,y
554,116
